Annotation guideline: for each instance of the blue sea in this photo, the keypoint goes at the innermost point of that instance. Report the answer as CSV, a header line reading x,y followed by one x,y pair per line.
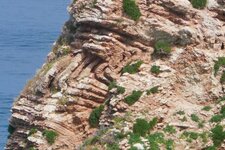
x,y
28,28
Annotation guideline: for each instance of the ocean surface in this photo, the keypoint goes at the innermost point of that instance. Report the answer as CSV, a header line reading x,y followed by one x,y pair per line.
x,y
28,28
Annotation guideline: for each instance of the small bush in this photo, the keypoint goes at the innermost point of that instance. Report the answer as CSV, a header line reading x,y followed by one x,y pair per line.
x,y
113,146
222,79
112,85
217,118
153,123
218,135
50,136
201,124
120,89
169,144
32,131
162,47
222,110
131,9
199,4
134,138
141,127
32,148
207,108
219,63
180,112
155,69
156,139
131,99
133,68
95,116
190,135
194,118
169,129
153,90
210,148
221,99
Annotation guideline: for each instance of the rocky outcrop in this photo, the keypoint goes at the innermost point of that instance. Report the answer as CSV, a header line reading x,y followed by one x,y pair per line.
x,y
95,45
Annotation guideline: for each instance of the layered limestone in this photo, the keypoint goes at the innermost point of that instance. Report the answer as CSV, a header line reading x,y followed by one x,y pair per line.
x,y
96,43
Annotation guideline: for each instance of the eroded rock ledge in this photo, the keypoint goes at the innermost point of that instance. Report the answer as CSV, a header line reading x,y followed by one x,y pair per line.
x,y
95,45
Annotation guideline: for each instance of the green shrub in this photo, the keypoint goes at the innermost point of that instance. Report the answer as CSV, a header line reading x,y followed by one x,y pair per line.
x,y
180,112
141,127
32,148
199,4
132,68
190,135
169,129
207,108
156,139
218,135
169,144
131,99
95,116
50,136
222,79
210,148
131,9
222,110
219,63
134,138
194,118
217,118
155,69
112,85
162,47
153,90
113,146
153,123
119,89
221,99
32,131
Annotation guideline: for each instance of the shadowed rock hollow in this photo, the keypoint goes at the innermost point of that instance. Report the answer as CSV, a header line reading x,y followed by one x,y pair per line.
x,y
88,65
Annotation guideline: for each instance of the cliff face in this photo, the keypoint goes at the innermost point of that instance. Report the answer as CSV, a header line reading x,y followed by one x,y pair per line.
x,y
106,55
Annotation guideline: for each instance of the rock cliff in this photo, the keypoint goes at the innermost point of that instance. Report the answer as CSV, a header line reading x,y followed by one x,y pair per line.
x,y
124,74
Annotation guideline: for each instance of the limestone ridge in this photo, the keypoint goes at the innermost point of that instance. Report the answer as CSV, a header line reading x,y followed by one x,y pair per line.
x,y
96,44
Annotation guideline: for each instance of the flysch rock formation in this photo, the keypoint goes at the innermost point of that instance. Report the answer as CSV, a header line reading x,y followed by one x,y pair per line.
x,y
96,43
